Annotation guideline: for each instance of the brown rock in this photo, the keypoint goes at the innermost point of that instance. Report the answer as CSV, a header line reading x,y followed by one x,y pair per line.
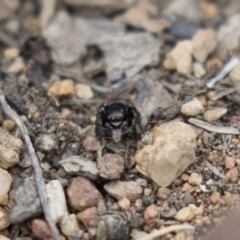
x,y
119,189
111,166
82,194
124,203
163,193
61,89
215,197
91,144
214,114
204,42
87,215
180,58
185,214
8,125
229,162
195,179
213,66
150,213
4,221
192,108
232,174
186,187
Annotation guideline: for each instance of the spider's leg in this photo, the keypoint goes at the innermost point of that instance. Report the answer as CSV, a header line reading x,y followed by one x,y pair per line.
x,y
99,130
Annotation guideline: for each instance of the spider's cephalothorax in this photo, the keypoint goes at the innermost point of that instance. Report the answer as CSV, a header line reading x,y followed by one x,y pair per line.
x,y
115,116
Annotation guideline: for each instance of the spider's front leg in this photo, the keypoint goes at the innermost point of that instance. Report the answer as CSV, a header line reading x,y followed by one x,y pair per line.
x,y
98,129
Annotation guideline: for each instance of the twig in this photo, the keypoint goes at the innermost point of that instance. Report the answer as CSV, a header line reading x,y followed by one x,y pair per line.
x,y
215,170
212,128
223,93
223,72
37,169
166,230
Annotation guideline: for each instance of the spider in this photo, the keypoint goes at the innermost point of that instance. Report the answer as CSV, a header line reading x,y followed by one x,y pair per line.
x,y
116,115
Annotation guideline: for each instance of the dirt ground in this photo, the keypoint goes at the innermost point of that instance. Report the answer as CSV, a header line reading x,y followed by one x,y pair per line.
x,y
64,65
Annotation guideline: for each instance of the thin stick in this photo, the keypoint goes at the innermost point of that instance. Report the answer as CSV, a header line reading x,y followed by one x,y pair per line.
x,y
37,169
215,170
212,128
166,230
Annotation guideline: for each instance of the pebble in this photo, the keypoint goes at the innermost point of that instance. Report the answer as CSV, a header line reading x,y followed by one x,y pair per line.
x,y
213,66
82,194
70,228
204,42
185,214
229,162
79,165
186,187
197,210
180,58
192,108
147,192
26,199
4,221
87,215
124,203
61,89
83,91
234,76
91,144
11,53
111,166
184,177
198,70
195,179
40,229
10,149
163,193
172,151
214,114
56,200
17,66
8,125
6,238
232,174
5,183
150,213
137,234
119,189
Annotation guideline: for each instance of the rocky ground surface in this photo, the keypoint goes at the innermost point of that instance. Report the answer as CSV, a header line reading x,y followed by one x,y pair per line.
x,y
178,63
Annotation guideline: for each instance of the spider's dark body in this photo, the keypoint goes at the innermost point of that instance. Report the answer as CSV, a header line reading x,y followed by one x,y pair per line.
x,y
116,115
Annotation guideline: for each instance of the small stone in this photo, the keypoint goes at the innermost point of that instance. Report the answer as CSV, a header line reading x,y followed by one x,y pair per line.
x,y
111,166
214,114
87,215
137,234
195,179
197,210
40,229
192,108
119,189
5,183
204,42
4,221
185,214
150,213
6,238
186,187
10,148
91,144
70,228
56,200
17,66
8,125
180,58
234,76
79,165
124,203
229,162
82,194
172,151
163,193
11,53
83,91
147,192
213,66
61,89
47,142
198,70
184,177
232,174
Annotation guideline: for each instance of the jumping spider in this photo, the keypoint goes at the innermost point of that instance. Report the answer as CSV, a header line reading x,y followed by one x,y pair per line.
x,y
115,116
